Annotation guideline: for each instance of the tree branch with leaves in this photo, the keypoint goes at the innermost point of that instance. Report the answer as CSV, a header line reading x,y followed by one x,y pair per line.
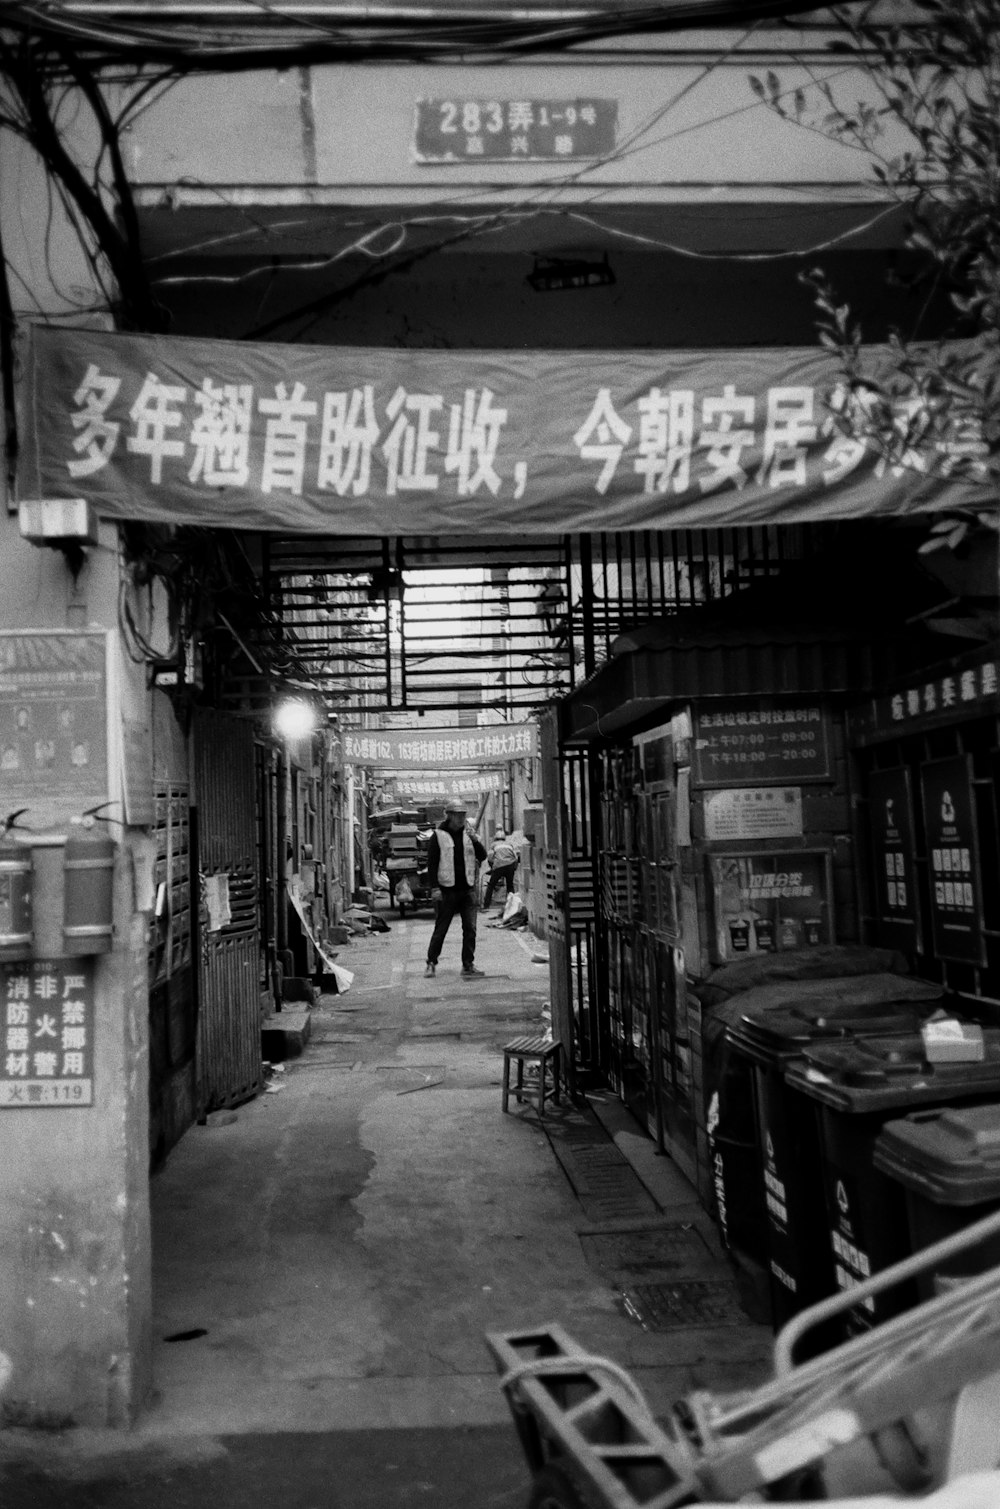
x,y
931,405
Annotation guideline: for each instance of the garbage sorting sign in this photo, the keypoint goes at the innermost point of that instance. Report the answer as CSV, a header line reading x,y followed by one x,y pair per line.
x,y
374,441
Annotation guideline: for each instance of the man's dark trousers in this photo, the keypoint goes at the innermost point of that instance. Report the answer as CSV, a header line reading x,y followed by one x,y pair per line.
x,y
504,873
460,900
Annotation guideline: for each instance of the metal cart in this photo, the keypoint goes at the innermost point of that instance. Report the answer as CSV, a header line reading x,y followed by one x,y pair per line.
x,y
591,1441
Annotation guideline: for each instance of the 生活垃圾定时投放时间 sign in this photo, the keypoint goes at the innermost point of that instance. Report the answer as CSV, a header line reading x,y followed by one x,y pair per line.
x,y
378,441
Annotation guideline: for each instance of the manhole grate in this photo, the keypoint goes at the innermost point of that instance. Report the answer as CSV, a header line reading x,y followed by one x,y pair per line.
x,y
592,1155
643,1253
696,1302
616,1207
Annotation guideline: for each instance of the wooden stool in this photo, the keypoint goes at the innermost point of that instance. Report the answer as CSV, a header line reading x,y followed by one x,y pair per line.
x,y
538,1050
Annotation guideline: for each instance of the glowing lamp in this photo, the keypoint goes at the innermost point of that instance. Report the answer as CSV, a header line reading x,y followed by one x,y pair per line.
x,y
294,719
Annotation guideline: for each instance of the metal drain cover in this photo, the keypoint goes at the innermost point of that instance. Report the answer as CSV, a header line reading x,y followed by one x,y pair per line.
x,y
694,1302
647,1254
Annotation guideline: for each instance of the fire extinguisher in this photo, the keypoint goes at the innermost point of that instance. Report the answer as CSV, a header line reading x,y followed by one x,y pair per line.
x,y
16,925
89,866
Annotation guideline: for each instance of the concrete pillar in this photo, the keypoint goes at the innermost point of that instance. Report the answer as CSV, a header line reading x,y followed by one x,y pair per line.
x,y
75,1259
75,1297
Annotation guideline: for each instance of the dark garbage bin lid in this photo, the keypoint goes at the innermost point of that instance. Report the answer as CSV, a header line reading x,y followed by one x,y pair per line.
x,y
777,1019
877,1073
950,1155
784,1033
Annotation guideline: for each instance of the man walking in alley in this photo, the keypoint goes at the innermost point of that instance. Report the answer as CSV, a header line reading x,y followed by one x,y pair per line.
x,y
503,859
454,855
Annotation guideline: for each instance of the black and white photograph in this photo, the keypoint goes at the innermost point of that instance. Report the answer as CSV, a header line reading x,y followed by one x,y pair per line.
x,y
499,754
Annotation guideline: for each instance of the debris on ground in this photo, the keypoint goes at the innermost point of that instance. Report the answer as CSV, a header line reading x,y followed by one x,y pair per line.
x,y
221,1118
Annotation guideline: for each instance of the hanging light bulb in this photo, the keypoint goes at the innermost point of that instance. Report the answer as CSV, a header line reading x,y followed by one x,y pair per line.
x,y
294,719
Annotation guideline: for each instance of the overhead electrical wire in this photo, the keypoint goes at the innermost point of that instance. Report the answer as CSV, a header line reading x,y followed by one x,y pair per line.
x,y
486,224
768,256
539,201
262,35
541,198
531,205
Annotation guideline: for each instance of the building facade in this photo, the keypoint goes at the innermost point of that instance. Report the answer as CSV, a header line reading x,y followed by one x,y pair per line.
x,y
587,214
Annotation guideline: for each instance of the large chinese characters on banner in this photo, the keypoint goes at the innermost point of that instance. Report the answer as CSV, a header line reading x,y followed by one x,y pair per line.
x,y
313,439
442,747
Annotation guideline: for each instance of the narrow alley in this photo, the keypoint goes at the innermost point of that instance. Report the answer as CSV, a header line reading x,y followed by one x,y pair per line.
x,y
327,1264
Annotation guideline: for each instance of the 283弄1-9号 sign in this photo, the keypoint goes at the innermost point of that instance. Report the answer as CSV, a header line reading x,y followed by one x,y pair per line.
x,y
460,130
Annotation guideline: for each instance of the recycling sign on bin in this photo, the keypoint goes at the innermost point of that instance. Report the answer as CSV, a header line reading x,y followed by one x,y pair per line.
x,y
956,898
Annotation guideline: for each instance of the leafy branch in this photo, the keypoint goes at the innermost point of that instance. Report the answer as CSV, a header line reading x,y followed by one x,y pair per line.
x,y
931,132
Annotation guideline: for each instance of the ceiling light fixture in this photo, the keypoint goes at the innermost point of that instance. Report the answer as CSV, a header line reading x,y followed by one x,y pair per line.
x,y
553,274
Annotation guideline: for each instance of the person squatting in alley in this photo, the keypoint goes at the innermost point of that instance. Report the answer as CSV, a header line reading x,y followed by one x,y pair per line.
x,y
503,860
454,855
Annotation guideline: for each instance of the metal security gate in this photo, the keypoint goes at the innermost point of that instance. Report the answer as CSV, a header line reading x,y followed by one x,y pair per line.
x,y
410,624
172,995
423,624
226,837
570,914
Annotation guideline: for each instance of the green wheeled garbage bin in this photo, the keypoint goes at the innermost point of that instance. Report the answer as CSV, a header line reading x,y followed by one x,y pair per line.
x,y
800,1258
948,1163
857,1086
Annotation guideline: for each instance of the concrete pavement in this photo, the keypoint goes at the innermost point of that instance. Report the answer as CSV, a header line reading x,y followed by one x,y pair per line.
x,y
326,1266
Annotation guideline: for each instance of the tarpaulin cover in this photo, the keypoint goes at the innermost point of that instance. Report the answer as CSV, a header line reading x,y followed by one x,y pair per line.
x,y
390,442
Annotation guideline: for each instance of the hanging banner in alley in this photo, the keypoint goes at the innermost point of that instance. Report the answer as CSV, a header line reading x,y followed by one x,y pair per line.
x,y
436,748
426,786
385,442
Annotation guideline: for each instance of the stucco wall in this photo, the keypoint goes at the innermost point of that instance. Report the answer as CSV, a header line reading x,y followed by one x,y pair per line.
x,y
74,1214
692,121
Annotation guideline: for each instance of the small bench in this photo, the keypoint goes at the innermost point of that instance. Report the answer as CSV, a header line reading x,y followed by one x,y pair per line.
x,y
532,1050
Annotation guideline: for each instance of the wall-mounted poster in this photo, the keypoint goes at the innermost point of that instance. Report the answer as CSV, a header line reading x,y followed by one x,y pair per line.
x,y
769,903
955,888
53,723
890,815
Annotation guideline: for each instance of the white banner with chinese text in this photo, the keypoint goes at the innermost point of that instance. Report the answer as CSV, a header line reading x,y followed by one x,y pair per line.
x,y
383,442
437,748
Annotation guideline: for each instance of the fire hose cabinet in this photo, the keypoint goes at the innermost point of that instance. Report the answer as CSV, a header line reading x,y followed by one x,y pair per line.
x,y
88,916
16,912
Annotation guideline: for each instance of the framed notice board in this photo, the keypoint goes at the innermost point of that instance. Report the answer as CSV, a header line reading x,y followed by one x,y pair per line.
x,y
770,902
53,723
780,743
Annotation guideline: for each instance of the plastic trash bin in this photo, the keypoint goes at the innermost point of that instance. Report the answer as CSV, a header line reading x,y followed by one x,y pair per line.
x,y
858,1086
948,1162
800,1259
